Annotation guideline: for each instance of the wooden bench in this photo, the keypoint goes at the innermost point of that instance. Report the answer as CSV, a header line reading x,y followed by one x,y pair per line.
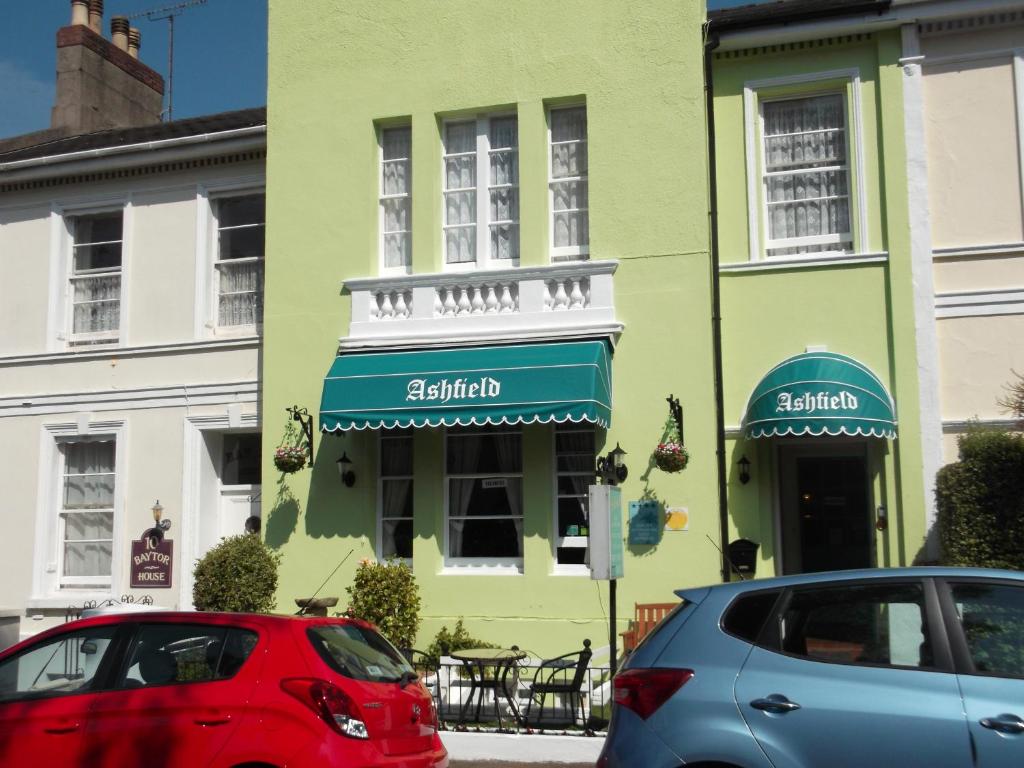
x,y
646,618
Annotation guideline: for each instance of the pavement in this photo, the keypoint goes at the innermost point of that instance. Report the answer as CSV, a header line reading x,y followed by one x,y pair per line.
x,y
518,750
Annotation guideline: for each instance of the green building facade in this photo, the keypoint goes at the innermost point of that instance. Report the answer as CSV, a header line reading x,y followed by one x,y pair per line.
x,y
508,207
816,263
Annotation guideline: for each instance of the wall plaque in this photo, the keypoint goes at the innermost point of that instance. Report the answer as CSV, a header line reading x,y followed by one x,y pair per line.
x,y
152,563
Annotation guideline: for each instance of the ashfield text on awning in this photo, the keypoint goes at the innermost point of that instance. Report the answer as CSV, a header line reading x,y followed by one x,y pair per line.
x,y
820,393
520,384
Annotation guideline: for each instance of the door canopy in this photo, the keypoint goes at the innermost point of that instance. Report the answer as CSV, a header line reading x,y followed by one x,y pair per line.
x,y
820,393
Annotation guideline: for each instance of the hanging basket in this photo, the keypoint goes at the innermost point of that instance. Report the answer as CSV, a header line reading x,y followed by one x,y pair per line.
x,y
671,457
290,458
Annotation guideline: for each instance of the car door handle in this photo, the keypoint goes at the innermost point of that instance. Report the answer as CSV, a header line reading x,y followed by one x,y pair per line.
x,y
213,720
776,704
1004,723
62,728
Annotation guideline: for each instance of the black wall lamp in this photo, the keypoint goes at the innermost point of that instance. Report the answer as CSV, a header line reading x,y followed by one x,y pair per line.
x,y
160,525
348,477
744,465
610,468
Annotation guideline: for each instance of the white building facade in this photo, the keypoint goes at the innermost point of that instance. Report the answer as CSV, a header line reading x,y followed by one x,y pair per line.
x,y
131,274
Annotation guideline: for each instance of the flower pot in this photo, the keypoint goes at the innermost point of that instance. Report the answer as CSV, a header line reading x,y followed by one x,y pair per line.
x,y
671,457
290,459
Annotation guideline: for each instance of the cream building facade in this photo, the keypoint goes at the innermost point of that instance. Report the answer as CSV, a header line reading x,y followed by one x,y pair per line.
x,y
131,267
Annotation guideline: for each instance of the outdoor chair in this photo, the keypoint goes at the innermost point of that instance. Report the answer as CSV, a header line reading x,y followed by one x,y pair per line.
x,y
561,676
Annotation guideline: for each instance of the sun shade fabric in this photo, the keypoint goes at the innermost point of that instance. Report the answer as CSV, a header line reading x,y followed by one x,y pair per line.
x,y
525,384
820,393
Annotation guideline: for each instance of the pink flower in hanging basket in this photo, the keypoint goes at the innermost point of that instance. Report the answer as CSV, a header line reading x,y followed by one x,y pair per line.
x,y
290,458
671,456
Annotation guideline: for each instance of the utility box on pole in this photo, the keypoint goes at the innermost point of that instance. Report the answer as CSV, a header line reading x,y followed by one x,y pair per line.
x,y
606,551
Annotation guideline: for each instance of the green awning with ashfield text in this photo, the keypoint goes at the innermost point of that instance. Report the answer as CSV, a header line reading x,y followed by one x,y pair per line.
x,y
515,384
820,393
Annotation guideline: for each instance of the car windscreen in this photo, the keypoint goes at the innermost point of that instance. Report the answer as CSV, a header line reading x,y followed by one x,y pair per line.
x,y
358,652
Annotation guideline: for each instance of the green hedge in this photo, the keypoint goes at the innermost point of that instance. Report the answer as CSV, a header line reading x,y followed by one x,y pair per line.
x,y
239,575
386,595
980,502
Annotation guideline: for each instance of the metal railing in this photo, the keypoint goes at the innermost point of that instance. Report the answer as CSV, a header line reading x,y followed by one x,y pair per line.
x,y
516,705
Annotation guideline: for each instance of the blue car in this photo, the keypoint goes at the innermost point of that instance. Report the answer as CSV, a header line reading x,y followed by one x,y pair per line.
x,y
901,667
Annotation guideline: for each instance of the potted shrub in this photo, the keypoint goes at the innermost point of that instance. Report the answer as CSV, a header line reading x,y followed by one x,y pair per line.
x,y
387,596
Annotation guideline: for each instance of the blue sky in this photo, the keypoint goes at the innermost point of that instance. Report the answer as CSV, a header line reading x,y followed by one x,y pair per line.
x,y
220,55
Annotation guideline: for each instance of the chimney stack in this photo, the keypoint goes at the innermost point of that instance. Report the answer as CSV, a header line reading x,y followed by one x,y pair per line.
x,y
134,42
101,83
119,32
80,13
96,16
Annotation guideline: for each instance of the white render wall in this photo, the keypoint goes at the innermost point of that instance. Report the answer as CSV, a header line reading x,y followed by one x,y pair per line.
x,y
170,377
973,119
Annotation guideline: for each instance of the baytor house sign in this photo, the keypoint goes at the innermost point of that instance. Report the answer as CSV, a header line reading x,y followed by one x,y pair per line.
x,y
152,562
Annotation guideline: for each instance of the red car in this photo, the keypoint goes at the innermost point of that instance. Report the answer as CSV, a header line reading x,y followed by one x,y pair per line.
x,y
214,690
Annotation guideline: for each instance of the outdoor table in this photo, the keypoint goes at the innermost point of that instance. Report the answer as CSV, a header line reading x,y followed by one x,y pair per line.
x,y
476,661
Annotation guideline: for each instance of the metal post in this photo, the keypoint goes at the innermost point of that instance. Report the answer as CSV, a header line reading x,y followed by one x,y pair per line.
x,y
613,633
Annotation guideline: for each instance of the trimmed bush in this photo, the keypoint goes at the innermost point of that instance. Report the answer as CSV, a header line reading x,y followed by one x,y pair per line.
x,y
238,575
980,502
386,595
456,640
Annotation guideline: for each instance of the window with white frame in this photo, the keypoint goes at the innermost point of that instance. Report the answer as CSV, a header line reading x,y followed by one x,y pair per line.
x,y
241,222
806,175
484,467
97,240
86,512
481,192
570,200
396,199
575,460
396,498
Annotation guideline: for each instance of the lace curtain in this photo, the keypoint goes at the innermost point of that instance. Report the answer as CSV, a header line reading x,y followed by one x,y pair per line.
x,y
460,192
241,293
807,174
396,149
97,303
569,167
88,516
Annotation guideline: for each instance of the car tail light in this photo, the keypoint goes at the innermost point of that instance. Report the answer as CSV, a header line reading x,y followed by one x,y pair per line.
x,y
330,703
644,690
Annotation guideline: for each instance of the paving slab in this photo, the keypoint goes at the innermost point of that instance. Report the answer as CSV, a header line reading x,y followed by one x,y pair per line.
x,y
512,750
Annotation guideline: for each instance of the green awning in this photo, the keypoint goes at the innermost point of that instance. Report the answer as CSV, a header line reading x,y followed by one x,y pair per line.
x,y
820,393
522,384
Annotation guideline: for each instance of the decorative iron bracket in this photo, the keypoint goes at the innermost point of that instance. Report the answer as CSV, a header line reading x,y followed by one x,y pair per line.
x,y
302,416
676,412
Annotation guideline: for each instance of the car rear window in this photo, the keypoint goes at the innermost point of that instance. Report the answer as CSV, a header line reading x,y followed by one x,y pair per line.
x,y
747,615
358,652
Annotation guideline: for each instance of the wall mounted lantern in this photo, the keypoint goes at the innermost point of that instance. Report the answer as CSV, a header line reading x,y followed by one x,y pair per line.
x,y
744,465
348,477
160,525
610,469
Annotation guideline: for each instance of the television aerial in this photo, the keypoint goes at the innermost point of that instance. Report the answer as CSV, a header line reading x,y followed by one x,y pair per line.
x,y
168,13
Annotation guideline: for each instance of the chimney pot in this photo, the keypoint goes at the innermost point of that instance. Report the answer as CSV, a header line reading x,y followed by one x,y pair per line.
x,y
119,32
134,42
96,16
80,12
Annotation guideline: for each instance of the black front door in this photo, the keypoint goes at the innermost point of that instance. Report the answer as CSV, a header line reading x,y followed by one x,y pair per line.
x,y
826,511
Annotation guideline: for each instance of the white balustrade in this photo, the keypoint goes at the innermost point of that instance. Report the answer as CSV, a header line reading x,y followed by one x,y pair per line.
x,y
508,303
390,305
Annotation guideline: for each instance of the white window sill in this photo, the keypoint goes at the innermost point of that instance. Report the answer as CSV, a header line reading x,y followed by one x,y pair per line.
x,y
570,570
805,261
481,570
